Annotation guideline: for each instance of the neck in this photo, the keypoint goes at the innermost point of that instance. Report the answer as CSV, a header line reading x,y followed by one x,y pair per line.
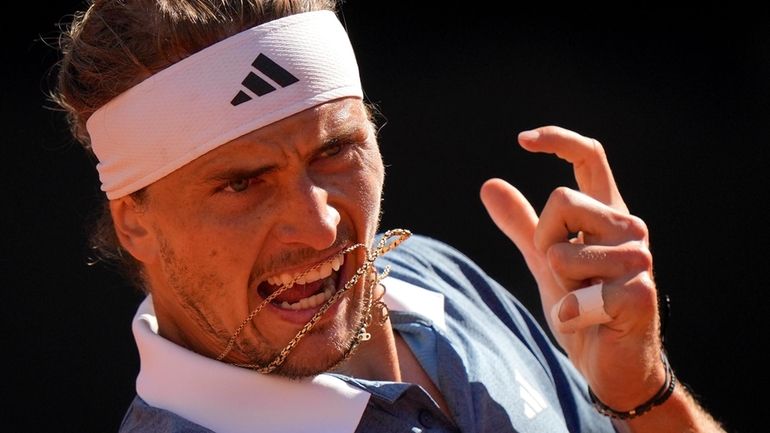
x,y
387,357
377,358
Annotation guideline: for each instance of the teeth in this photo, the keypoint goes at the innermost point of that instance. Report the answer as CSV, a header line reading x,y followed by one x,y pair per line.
x,y
315,274
312,301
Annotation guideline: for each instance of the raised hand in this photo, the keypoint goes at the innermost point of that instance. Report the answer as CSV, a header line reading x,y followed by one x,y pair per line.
x,y
593,267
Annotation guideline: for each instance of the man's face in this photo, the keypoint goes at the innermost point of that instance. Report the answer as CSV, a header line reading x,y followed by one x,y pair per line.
x,y
259,209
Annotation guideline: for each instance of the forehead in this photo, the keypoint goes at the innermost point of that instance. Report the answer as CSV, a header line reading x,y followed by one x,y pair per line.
x,y
301,133
319,123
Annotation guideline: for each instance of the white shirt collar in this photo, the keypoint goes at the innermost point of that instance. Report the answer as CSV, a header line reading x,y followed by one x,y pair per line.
x,y
225,398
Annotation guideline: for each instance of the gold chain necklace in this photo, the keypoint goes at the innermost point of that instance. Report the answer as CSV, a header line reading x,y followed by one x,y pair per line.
x,y
383,246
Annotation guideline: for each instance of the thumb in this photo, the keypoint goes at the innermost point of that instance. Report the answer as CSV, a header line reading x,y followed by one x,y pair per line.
x,y
514,216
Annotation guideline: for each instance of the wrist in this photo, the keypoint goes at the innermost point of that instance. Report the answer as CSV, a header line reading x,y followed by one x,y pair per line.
x,y
663,393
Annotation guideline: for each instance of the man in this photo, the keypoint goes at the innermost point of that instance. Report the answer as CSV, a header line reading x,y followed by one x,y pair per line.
x,y
243,182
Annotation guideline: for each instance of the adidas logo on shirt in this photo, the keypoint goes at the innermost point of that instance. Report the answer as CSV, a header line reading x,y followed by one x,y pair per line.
x,y
534,403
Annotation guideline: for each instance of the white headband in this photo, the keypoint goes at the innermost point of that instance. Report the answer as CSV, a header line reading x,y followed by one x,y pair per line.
x,y
240,84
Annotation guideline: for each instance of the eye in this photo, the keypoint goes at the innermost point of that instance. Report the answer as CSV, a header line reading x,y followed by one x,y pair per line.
x,y
332,149
238,185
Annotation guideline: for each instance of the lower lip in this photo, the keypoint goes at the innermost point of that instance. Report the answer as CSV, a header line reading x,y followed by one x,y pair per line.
x,y
301,317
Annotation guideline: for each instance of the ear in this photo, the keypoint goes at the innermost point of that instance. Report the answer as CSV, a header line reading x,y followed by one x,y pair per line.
x,y
132,227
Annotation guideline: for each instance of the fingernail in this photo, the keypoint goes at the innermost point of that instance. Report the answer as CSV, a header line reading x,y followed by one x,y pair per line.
x,y
561,326
565,314
555,310
529,135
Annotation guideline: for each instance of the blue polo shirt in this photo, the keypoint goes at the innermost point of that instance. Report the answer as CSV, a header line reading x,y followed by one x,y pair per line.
x,y
496,368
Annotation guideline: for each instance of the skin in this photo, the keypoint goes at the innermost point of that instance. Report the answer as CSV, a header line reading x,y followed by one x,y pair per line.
x,y
290,195
280,199
620,359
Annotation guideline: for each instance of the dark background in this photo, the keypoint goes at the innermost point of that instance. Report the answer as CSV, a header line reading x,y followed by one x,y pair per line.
x,y
679,98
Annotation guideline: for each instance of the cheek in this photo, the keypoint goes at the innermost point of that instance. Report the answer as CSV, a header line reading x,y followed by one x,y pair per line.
x,y
378,172
213,238
366,185
207,264
367,188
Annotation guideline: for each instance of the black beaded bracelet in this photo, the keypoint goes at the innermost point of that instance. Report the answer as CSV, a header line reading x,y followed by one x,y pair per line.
x,y
661,396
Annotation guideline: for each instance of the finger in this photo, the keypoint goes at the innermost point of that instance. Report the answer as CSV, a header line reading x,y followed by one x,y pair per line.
x,y
514,216
580,309
620,307
568,211
592,170
575,265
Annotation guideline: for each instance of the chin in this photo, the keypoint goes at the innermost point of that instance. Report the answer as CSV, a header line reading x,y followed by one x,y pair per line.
x,y
319,352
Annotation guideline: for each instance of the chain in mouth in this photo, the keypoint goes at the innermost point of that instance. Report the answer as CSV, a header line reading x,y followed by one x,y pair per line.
x,y
315,272
309,289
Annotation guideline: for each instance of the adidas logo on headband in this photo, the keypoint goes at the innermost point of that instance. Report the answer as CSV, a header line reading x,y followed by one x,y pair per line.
x,y
281,67
258,85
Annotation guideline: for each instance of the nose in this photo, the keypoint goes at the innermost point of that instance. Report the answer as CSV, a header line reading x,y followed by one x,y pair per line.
x,y
308,219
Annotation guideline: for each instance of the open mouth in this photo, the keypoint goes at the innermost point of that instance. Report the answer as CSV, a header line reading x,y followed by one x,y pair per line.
x,y
306,289
317,288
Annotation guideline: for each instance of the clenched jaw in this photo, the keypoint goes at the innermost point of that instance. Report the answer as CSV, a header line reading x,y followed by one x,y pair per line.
x,y
309,289
318,288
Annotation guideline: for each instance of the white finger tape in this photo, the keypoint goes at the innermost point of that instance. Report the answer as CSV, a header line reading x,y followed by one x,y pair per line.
x,y
590,307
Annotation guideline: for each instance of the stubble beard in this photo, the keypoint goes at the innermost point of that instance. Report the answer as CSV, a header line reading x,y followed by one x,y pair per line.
x,y
305,359
309,360
320,350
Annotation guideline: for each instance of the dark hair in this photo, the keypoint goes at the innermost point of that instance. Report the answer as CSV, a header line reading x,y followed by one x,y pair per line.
x,y
115,44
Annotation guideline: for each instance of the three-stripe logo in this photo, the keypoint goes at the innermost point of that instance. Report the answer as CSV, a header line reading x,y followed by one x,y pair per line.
x,y
534,402
258,85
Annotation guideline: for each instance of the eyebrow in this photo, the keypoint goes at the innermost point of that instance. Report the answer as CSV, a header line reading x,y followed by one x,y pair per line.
x,y
343,135
239,173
